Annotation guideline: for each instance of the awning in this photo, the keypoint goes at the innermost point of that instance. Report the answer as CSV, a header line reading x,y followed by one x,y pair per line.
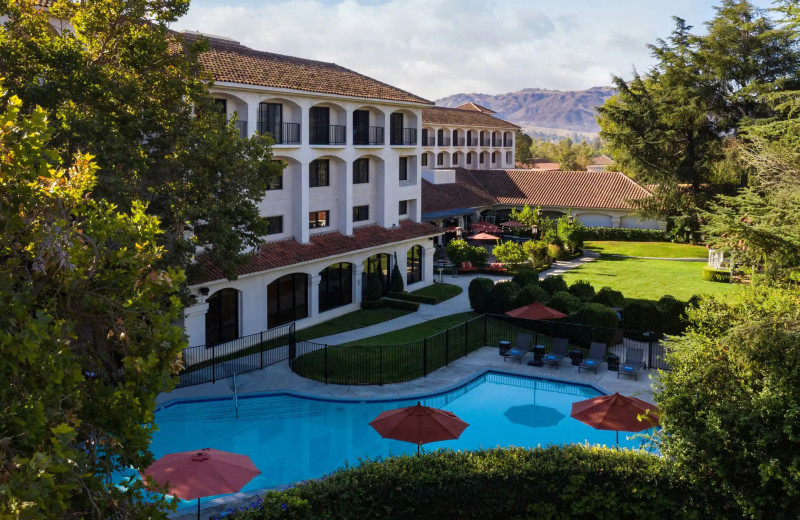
x,y
448,213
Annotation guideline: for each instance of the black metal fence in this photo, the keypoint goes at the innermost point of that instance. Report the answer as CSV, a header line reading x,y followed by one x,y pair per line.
x,y
370,365
245,354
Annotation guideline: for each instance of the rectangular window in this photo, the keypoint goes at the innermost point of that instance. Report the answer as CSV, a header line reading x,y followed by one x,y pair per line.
x,y
403,207
481,160
424,159
318,219
361,171
469,158
275,225
440,159
404,168
360,213
455,159
318,174
508,157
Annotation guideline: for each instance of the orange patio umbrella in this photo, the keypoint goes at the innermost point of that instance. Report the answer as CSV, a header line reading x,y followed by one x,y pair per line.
x,y
616,412
418,424
484,236
201,473
535,311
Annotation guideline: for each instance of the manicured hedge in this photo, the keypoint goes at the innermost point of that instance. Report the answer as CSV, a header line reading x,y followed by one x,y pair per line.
x,y
716,275
370,305
543,483
554,284
430,300
400,304
478,290
632,234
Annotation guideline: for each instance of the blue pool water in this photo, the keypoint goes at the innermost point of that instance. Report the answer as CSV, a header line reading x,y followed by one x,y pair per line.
x,y
291,438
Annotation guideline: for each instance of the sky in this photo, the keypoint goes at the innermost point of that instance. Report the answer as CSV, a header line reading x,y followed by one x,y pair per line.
x,y
435,48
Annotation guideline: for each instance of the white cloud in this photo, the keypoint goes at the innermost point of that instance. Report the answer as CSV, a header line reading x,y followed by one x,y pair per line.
x,y
435,48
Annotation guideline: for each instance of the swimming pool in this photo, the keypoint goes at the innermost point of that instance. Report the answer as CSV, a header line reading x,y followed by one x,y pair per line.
x,y
292,438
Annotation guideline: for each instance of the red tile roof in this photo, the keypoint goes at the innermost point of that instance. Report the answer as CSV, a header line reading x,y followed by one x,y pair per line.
x,y
602,160
457,116
282,253
230,61
476,107
466,192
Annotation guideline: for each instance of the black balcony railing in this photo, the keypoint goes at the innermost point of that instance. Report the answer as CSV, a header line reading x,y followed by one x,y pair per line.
x,y
472,141
367,135
242,127
486,142
444,141
282,133
404,137
327,134
428,141
497,142
508,143
458,141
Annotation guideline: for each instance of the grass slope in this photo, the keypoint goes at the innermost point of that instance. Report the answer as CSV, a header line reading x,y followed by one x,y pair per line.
x,y
441,291
354,320
416,332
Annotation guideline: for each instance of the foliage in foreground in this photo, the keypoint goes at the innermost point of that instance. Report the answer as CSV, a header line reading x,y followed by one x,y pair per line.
x,y
732,399
555,482
87,334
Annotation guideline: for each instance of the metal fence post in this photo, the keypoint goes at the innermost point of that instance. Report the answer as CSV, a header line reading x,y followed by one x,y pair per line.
x,y
466,338
425,357
262,349
326,364
214,364
380,365
447,347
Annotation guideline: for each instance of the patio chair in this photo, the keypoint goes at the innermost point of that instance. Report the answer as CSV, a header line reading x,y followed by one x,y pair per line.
x,y
466,267
632,364
597,352
558,351
520,348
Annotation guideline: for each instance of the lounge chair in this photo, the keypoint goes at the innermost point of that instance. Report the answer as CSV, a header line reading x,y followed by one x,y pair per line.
x,y
558,351
495,267
597,352
466,267
520,348
632,364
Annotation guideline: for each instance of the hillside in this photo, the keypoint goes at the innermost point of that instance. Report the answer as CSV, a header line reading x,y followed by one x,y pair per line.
x,y
541,109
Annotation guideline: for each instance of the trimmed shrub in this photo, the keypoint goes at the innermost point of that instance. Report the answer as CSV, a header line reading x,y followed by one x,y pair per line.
x,y
536,251
554,252
477,291
374,290
396,284
531,294
501,298
595,315
458,251
564,302
671,319
478,255
640,315
573,481
630,234
510,253
609,297
370,305
716,275
582,289
554,284
400,304
430,300
526,277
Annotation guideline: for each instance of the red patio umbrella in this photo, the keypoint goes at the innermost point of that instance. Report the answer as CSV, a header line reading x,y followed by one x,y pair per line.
x,y
201,473
484,236
512,223
616,412
485,226
418,424
535,311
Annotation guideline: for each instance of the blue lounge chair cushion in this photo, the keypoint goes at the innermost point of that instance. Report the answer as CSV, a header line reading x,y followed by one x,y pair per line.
x,y
627,368
515,352
550,356
589,362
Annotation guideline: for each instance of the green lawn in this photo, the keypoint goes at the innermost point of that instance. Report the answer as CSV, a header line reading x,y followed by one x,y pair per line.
x,y
416,332
441,291
648,279
354,320
651,249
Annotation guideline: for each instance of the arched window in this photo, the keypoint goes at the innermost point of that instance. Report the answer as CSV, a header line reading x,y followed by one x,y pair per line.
x,y
335,286
287,299
379,264
440,159
414,265
222,317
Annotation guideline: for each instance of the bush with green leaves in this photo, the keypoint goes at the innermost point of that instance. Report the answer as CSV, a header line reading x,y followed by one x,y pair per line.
x,y
624,234
671,312
501,298
510,253
712,274
374,290
557,482
554,284
609,297
582,289
570,234
396,284
477,291
640,315
564,302
537,252
600,324
459,251
526,277
531,294
555,252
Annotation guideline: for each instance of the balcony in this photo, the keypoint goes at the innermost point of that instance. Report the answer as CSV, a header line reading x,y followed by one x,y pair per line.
x,y
404,137
497,142
428,141
368,135
508,143
242,127
444,141
472,141
459,141
327,135
282,133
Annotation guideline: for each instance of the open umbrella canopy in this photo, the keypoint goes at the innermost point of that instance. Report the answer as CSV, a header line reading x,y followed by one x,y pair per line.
x,y
484,236
615,412
486,227
418,424
201,473
535,311
512,223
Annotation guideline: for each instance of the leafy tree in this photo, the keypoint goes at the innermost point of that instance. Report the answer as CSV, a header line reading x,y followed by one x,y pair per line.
x,y
88,335
397,278
522,149
729,404
536,251
510,253
124,88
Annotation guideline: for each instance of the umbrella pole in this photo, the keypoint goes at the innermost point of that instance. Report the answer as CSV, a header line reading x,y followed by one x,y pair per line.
x,y
418,449
198,508
617,439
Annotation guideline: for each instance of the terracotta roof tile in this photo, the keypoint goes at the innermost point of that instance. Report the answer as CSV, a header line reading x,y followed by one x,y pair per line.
x,y
475,107
231,62
457,116
466,192
282,253
602,160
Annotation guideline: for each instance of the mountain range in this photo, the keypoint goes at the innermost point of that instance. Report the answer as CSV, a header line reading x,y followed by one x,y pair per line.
x,y
542,110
